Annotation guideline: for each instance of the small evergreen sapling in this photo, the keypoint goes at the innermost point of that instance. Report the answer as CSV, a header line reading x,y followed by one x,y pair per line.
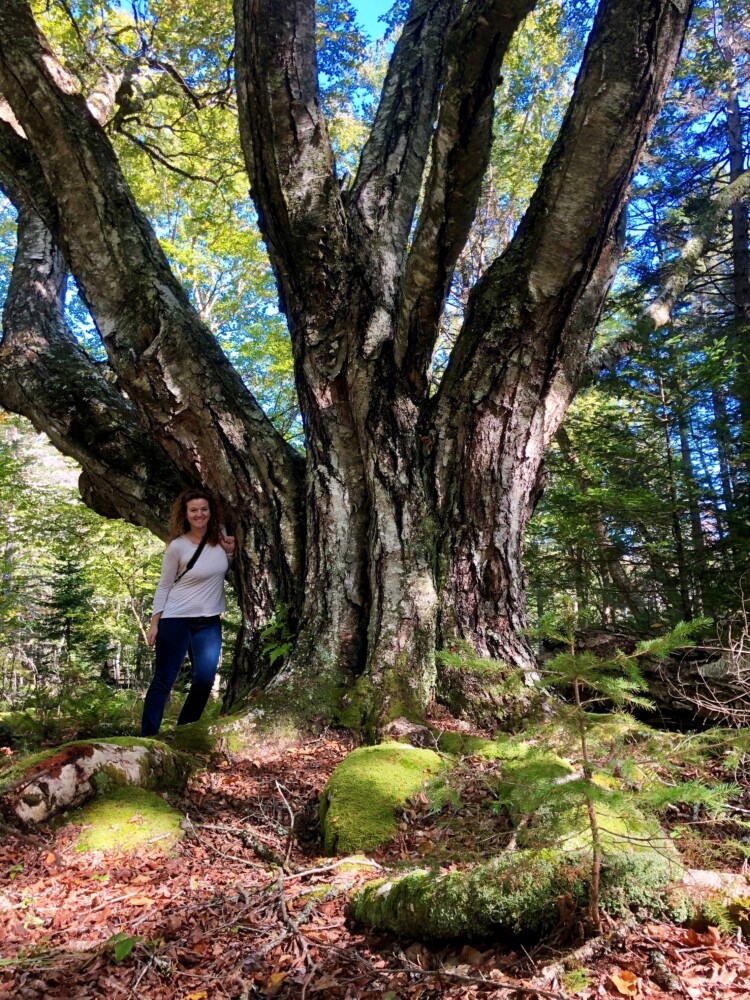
x,y
609,763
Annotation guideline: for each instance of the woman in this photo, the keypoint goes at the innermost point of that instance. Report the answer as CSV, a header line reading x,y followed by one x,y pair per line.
x,y
187,607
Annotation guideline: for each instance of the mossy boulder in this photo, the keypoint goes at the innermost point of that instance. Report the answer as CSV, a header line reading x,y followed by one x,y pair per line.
x,y
126,819
359,802
518,893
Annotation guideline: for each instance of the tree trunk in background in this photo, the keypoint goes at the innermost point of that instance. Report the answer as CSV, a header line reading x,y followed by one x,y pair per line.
x,y
696,528
683,572
740,522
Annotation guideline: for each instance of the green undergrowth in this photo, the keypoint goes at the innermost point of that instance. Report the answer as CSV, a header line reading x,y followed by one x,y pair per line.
x,y
95,711
578,798
468,745
359,802
126,819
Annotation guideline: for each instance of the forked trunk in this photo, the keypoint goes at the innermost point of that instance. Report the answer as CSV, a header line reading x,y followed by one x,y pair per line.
x,y
401,529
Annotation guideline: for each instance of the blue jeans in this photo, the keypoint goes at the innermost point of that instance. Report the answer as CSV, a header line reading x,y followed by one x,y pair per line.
x,y
202,636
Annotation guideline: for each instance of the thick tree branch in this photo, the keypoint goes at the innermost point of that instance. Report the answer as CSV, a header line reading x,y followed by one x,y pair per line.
x,y
286,148
185,389
461,147
389,178
45,376
529,323
22,177
578,365
679,272
523,302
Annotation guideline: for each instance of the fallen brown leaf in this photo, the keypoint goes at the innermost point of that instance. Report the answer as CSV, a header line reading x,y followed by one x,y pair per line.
x,y
626,983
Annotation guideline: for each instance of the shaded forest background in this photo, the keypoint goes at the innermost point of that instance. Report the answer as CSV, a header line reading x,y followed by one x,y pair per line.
x,y
644,519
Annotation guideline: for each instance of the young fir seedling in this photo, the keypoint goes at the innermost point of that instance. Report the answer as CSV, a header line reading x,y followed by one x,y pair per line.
x,y
606,764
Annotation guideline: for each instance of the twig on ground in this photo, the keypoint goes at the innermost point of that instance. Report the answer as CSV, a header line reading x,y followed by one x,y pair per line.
x,y
290,834
662,975
117,899
335,864
292,924
272,943
657,946
257,846
141,974
308,980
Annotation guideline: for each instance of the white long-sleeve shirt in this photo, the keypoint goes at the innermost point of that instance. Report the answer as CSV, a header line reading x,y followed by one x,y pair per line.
x,y
200,592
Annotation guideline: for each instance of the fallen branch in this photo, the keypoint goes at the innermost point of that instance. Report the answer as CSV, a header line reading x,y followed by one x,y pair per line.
x,y
257,846
588,952
364,862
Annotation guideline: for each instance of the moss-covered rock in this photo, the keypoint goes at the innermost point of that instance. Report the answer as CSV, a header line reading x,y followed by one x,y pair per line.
x,y
358,804
126,819
516,893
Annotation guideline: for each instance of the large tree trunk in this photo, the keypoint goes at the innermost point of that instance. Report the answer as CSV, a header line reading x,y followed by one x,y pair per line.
x,y
402,528
519,359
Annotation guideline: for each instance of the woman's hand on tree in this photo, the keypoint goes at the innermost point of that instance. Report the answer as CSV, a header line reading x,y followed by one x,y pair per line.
x,y
227,543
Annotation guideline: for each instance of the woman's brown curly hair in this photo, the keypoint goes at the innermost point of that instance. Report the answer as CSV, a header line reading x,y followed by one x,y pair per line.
x,y
179,524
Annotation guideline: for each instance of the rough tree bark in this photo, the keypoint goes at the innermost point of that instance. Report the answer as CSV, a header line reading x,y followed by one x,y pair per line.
x,y
402,528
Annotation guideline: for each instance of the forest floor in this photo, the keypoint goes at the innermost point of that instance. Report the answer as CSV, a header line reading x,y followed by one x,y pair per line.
x,y
240,908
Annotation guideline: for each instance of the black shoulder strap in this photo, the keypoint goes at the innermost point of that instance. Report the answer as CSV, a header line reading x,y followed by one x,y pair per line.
x,y
193,558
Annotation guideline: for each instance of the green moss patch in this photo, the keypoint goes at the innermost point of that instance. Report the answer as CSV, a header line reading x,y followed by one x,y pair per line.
x,y
126,819
359,802
517,893
467,745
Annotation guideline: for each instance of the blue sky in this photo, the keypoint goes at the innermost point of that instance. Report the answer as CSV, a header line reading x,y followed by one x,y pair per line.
x,y
369,11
